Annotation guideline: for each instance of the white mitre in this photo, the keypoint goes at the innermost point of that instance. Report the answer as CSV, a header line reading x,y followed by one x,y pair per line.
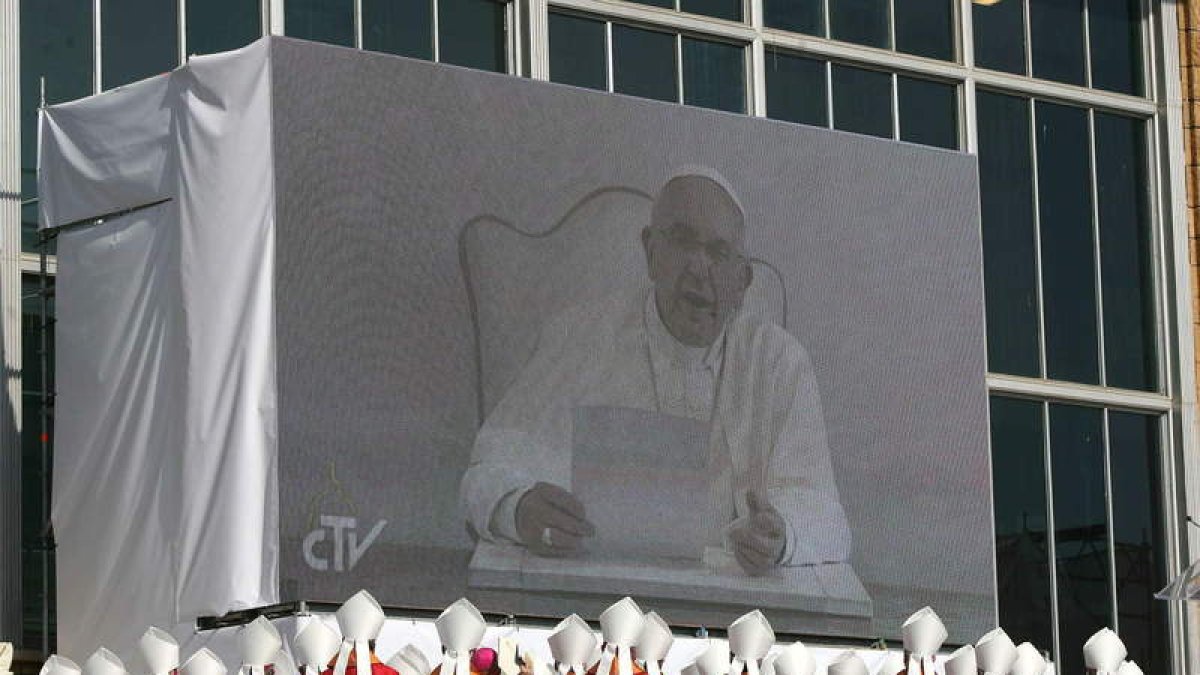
x,y
460,627
259,642
962,661
892,664
6,657
59,665
620,624
1029,660
1103,652
847,663
203,662
103,662
794,659
360,619
315,646
1129,668
654,642
750,638
995,653
714,660
923,633
410,660
159,650
571,645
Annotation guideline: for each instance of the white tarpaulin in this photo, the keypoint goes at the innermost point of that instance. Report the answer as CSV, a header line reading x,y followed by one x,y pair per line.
x,y
165,495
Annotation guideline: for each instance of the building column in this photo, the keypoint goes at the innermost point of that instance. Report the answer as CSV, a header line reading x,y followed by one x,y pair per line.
x,y
10,321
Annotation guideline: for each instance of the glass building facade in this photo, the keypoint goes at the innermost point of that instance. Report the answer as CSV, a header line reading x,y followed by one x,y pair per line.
x,y
1068,105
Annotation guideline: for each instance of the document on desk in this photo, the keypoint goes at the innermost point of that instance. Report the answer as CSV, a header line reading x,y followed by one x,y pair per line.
x,y
647,483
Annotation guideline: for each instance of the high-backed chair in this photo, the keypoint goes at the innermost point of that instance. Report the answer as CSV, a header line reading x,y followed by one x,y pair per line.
x,y
518,276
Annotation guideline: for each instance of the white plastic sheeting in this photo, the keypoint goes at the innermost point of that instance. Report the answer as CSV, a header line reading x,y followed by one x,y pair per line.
x,y
165,501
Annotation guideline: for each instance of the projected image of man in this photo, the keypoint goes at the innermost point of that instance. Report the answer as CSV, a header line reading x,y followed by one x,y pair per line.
x,y
681,349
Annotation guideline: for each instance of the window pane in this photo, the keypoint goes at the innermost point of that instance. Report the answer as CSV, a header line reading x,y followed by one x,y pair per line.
x,y
1068,266
999,34
220,25
329,21
1019,499
925,28
403,27
864,22
862,101
471,33
801,16
138,39
1056,28
928,112
1115,35
1009,234
1125,255
721,9
1080,529
714,75
644,63
577,51
796,89
1138,535
56,46
33,515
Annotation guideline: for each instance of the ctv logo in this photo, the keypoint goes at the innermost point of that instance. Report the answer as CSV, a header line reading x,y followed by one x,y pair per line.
x,y
347,550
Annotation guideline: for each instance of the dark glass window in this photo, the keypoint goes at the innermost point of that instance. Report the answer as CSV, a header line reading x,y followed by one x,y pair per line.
x,y
37,557
796,89
1080,529
138,39
1009,233
330,21
1056,28
1068,267
999,34
666,4
1115,35
720,9
220,25
403,27
1137,534
925,28
1019,499
1125,255
644,63
799,16
577,51
928,112
471,33
862,101
863,22
56,48
714,75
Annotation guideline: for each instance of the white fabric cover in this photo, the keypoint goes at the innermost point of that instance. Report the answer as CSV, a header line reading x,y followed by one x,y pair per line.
x,y
165,349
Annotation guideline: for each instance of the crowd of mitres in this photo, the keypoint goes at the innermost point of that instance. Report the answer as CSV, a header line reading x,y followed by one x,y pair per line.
x,y
630,643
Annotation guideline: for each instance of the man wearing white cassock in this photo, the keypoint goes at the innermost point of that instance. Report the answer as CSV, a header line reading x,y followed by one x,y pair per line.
x,y
679,348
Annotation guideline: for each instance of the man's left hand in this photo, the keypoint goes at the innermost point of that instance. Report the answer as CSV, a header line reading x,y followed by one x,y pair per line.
x,y
759,538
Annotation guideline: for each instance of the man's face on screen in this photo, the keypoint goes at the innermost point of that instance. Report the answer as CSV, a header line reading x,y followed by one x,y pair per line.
x,y
696,258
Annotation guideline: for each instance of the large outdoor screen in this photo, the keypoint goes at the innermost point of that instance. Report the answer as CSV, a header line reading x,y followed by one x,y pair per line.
x,y
545,347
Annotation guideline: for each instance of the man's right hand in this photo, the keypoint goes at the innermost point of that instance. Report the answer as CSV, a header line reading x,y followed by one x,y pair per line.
x,y
551,521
